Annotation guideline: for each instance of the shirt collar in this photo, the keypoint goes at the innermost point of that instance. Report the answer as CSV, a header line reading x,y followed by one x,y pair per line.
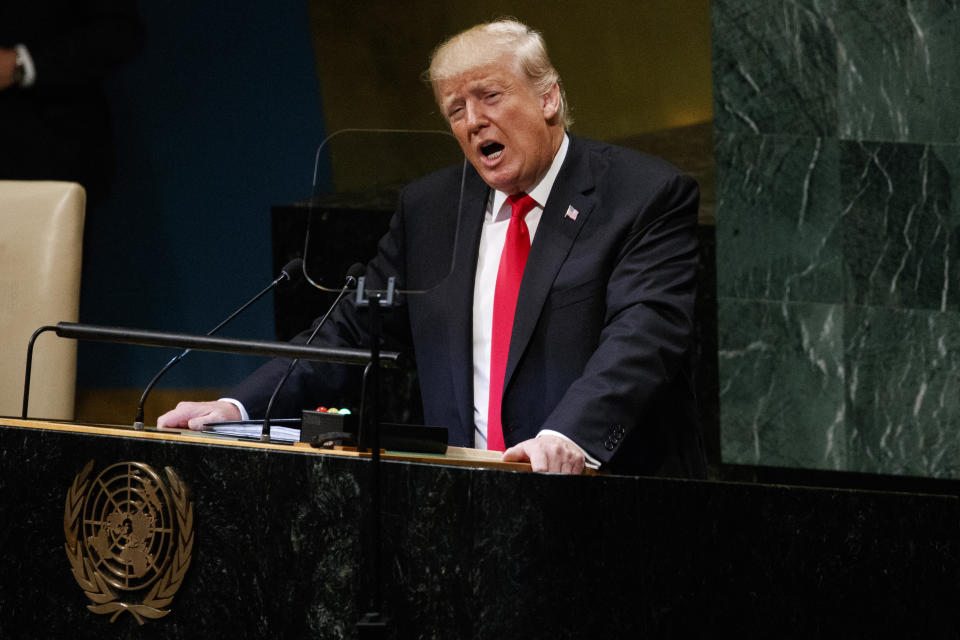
x,y
541,191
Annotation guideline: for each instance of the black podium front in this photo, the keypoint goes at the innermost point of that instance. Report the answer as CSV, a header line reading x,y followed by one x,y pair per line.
x,y
276,549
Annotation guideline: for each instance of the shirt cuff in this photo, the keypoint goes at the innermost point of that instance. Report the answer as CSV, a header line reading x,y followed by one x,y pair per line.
x,y
29,69
588,461
244,416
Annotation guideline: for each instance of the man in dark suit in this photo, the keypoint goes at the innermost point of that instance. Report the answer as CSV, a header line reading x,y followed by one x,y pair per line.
x,y
54,54
571,349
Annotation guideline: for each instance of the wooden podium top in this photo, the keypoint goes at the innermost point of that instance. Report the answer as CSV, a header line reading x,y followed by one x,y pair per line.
x,y
455,456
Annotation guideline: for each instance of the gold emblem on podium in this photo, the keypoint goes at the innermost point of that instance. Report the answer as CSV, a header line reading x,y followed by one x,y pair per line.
x,y
129,538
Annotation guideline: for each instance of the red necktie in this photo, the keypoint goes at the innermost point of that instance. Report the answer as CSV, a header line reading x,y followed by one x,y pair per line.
x,y
509,275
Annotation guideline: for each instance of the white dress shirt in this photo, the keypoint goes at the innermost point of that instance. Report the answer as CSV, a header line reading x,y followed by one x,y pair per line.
x,y
29,69
492,238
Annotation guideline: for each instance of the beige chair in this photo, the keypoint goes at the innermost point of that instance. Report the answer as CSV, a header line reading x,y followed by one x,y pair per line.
x,y
41,242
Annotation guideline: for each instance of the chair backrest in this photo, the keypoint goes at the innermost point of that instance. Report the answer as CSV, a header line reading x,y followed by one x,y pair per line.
x,y
41,245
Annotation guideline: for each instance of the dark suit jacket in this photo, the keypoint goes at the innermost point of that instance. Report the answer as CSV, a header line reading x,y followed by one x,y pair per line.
x,y
59,129
601,341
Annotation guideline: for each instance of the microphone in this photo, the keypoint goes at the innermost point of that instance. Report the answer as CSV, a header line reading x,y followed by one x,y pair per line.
x,y
290,273
355,271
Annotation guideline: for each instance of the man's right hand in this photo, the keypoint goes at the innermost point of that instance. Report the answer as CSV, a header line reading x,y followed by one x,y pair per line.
x,y
196,414
8,62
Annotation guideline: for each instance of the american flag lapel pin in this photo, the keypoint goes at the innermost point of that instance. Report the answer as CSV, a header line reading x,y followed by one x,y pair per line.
x,y
571,213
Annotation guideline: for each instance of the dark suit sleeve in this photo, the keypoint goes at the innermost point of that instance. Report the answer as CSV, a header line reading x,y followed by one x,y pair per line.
x,y
622,399
59,127
311,382
82,41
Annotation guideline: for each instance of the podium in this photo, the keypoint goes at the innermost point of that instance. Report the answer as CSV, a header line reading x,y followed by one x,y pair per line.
x,y
471,549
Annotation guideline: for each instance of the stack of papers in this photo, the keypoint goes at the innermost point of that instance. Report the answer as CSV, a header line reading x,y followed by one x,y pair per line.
x,y
252,429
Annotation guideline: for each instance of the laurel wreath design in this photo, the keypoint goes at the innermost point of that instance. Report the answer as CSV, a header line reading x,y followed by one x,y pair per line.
x,y
93,584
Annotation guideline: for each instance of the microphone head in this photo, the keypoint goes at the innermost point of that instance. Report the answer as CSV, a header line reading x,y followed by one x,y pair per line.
x,y
354,272
293,270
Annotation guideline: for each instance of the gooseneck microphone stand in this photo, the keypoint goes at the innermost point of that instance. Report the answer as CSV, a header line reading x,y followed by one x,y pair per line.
x,y
289,272
352,276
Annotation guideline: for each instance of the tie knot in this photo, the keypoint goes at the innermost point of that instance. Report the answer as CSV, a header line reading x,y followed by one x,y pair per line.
x,y
520,204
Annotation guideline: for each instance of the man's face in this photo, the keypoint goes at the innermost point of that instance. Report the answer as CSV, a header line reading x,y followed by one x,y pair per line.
x,y
501,125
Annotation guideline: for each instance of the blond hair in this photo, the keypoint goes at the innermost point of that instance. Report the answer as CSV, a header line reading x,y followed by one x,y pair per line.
x,y
488,43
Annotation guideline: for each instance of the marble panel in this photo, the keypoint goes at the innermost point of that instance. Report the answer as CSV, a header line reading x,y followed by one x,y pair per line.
x,y
901,228
774,67
525,551
255,511
903,379
816,561
897,66
781,384
778,223
840,116
428,584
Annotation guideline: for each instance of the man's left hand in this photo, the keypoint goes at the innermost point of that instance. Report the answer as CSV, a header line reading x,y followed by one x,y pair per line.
x,y
547,453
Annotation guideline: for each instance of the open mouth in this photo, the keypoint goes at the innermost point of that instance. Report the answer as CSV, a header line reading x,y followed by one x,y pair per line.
x,y
492,150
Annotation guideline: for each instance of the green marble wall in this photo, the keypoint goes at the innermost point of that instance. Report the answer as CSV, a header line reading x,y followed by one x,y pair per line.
x,y
838,233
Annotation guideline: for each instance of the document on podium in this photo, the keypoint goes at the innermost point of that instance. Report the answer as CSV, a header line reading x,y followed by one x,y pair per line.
x,y
280,429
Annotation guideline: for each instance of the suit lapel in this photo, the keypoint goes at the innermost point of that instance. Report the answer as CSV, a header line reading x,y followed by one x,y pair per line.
x,y
566,211
459,295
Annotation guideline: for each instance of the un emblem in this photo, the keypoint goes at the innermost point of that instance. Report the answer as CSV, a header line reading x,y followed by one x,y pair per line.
x,y
129,538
